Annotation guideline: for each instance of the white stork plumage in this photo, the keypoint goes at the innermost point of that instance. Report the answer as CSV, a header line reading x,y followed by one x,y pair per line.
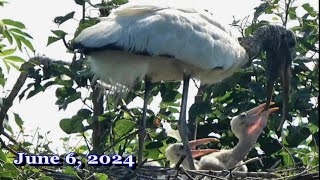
x,y
160,40
247,127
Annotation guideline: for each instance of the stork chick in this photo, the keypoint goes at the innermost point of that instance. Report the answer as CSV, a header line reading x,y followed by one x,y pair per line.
x,y
246,127
175,152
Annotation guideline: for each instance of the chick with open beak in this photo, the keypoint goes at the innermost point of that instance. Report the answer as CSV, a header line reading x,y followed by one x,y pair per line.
x,y
247,127
175,152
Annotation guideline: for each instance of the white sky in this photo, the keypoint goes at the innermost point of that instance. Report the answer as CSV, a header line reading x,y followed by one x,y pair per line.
x,y
41,111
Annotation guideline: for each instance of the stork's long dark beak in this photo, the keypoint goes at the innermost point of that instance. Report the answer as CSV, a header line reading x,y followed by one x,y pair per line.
x,y
285,76
280,63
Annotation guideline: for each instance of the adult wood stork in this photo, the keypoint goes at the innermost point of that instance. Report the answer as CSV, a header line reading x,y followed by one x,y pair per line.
x,y
247,127
160,40
175,152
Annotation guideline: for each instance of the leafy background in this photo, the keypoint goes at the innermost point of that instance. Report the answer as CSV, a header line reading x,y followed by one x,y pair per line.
x,y
108,126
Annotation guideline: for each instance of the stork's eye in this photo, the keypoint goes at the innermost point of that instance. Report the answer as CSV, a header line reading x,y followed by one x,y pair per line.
x,y
181,147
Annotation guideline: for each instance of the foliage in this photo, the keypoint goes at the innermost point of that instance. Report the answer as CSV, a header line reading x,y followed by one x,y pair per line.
x,y
114,126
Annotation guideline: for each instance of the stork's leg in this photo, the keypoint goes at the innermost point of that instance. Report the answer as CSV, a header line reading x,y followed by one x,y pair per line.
x,y
182,123
143,123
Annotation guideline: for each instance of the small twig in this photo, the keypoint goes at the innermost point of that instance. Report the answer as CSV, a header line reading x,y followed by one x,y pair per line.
x,y
86,141
187,174
244,163
205,174
177,172
299,174
287,6
34,135
124,108
3,145
65,43
179,162
286,149
83,12
279,170
274,165
86,104
25,49
5,134
120,139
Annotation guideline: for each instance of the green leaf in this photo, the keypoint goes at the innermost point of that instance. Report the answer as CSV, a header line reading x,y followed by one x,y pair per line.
x,y
84,25
3,156
14,59
123,126
69,170
59,33
268,144
61,19
70,99
292,13
296,135
46,178
2,26
18,120
37,89
85,113
154,145
27,43
7,65
73,125
2,2
18,31
199,108
9,170
100,176
18,41
7,52
8,36
309,9
2,79
67,83
80,2
52,39
64,92
168,92
13,65
313,128
14,23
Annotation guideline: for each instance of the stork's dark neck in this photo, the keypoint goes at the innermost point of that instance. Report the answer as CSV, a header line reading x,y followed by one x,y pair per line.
x,y
242,149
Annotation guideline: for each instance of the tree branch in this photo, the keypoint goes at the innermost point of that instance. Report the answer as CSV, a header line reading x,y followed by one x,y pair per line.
x,y
286,12
8,102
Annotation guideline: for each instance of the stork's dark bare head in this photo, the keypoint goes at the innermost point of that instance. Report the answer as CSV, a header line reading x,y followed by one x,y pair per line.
x,y
278,43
